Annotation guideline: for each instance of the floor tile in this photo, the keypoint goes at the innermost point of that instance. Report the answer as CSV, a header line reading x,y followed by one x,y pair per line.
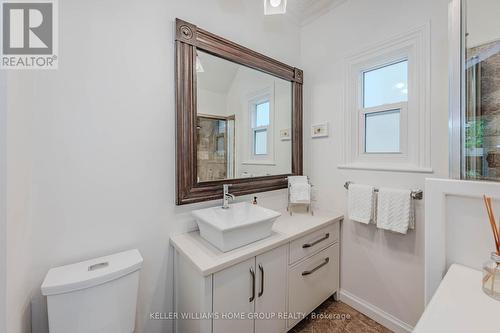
x,y
338,317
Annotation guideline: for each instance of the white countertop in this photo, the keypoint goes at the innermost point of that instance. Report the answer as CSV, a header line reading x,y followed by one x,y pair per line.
x,y
460,305
208,259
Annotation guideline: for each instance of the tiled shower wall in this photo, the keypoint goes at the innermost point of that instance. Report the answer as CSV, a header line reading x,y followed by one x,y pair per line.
x,y
211,164
488,108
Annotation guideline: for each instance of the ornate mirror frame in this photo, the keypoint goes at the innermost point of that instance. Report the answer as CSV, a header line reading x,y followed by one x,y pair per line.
x,y
188,39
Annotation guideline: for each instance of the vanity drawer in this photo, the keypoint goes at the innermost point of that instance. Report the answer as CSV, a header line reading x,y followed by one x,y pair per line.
x,y
312,281
313,242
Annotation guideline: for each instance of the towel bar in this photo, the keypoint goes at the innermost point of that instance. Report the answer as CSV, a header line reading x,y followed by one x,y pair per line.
x,y
415,194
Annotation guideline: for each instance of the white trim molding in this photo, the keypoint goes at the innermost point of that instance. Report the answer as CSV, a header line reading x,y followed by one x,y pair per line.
x,y
375,313
413,46
456,55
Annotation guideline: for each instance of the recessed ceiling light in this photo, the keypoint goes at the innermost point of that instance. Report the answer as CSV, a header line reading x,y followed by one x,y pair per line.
x,y
275,3
273,7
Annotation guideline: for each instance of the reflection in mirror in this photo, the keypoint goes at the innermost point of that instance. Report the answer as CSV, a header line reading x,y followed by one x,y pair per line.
x,y
243,121
215,147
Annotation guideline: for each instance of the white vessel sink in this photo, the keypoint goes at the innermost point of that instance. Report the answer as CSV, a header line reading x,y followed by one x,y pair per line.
x,y
240,224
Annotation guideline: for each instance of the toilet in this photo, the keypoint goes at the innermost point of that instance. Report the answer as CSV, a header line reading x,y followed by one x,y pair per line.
x,y
94,296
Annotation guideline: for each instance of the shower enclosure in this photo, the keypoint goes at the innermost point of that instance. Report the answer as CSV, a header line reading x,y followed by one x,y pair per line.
x,y
215,137
475,89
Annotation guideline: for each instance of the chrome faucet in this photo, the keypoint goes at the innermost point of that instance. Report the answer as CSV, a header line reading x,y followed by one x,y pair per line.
x,y
226,196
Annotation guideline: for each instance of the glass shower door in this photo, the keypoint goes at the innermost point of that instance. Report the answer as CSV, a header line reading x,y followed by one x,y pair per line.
x,y
481,123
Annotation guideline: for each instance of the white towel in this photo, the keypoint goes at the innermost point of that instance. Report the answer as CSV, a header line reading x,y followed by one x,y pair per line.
x,y
361,203
297,179
300,193
396,211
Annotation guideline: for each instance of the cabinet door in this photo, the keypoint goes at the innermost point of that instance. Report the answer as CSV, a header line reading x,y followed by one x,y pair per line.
x,y
271,290
234,292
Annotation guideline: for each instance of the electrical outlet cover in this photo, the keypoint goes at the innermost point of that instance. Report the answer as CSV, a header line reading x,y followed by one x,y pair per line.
x,y
319,130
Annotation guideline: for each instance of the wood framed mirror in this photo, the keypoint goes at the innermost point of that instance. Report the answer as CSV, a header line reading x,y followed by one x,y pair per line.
x,y
239,118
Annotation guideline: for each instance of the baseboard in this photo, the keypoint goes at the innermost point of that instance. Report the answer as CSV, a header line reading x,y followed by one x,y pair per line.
x,y
375,313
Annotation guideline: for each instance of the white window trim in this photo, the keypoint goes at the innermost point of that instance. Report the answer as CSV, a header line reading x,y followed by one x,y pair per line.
x,y
415,155
255,98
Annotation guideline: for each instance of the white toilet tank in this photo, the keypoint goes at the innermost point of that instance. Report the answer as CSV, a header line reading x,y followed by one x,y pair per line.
x,y
94,296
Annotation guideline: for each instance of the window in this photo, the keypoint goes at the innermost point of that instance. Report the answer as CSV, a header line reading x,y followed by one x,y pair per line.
x,y
382,132
386,110
386,85
385,93
260,142
259,122
260,128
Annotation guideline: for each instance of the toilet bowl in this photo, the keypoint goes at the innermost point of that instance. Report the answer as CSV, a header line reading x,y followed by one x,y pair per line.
x,y
94,296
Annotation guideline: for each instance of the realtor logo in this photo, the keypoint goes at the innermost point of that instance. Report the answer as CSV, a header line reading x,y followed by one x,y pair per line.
x,y
29,34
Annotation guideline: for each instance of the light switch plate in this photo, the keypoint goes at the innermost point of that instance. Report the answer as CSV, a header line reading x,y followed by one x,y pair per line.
x,y
319,130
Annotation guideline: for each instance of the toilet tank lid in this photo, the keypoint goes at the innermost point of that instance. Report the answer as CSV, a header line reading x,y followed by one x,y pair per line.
x,y
90,273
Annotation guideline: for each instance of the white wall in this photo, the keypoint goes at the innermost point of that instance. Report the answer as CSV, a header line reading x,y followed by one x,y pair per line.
x,y
91,146
3,203
19,150
457,229
469,240
378,269
211,103
483,24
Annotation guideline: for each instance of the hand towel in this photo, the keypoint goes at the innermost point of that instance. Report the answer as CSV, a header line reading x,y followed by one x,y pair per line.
x,y
396,211
297,179
361,203
300,193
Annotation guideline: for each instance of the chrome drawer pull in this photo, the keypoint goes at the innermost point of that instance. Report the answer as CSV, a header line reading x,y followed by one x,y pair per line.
x,y
252,273
307,245
327,260
261,292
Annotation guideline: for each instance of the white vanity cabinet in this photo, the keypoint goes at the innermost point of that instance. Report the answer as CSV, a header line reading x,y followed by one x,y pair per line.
x,y
272,289
312,281
257,285
260,287
234,293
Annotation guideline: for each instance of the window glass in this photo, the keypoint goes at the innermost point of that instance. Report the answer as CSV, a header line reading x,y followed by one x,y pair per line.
x,y
382,132
262,114
386,85
221,145
221,126
260,142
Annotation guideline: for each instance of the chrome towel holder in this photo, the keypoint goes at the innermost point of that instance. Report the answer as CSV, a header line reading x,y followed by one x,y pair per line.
x,y
415,194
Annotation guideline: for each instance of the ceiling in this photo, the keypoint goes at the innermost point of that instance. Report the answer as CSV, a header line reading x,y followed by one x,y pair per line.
x,y
303,11
306,11
218,74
